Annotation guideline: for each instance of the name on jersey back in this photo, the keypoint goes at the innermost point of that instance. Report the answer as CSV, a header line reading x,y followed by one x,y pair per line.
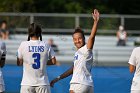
x,y
36,48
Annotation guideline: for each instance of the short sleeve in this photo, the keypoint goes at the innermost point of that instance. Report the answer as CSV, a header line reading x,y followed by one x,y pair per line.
x,y
19,52
84,50
51,53
132,59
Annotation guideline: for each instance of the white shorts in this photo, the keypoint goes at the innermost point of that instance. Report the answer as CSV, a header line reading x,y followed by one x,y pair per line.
x,y
135,91
80,88
35,89
2,88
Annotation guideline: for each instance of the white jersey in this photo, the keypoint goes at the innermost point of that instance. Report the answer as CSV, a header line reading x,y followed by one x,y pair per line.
x,y
122,35
135,60
83,61
2,55
35,55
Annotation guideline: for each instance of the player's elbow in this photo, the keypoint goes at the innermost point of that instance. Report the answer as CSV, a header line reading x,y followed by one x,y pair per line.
x,y
51,62
131,68
131,71
19,62
2,63
54,61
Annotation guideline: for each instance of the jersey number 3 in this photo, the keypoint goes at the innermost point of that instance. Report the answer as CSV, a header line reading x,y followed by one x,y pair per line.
x,y
36,57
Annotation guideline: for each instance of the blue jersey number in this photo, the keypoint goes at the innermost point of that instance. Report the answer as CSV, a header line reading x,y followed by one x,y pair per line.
x,y
36,57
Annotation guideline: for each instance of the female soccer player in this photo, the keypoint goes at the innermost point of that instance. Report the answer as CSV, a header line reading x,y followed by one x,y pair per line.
x,y
2,63
134,66
34,54
81,81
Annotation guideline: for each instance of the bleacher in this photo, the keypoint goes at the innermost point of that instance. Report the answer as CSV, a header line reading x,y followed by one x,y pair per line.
x,y
105,50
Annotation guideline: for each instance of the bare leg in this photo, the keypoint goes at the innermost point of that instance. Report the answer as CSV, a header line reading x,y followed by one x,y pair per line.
x,y
7,35
2,35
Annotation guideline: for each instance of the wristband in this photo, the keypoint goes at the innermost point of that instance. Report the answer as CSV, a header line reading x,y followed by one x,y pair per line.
x,y
58,78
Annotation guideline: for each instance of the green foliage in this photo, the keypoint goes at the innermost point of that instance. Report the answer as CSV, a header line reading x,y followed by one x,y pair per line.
x,y
74,7
71,6
50,6
16,5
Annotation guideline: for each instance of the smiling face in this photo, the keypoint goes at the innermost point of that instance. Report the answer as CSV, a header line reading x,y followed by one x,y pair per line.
x,y
78,40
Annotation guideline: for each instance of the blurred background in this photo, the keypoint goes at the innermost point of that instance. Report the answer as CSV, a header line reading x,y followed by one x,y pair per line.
x,y
58,19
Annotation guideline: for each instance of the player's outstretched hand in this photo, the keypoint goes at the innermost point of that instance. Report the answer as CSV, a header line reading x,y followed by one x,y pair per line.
x,y
53,82
96,15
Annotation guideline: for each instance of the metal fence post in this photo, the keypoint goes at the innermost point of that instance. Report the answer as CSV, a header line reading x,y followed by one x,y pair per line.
x,y
122,21
31,19
77,21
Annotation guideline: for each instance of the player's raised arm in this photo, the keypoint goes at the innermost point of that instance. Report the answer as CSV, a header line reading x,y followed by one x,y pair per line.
x,y
91,39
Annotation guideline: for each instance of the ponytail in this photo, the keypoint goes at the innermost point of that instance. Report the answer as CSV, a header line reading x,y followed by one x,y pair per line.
x,y
28,38
40,37
34,30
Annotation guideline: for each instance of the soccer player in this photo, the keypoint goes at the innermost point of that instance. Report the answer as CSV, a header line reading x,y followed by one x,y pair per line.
x,y
34,54
134,66
81,81
2,63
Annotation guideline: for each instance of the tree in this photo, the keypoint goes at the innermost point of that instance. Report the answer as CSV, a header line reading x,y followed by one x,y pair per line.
x,y
17,6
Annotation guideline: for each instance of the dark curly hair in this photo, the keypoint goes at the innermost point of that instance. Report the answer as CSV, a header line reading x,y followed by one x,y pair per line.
x,y
79,30
34,30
